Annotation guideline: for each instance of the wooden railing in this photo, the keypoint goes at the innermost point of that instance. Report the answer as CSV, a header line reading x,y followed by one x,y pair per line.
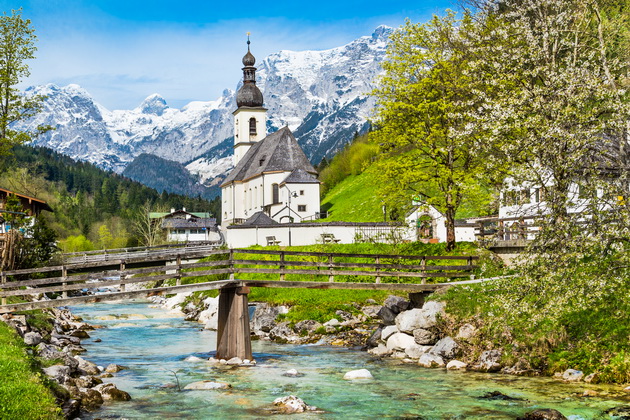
x,y
245,267
121,253
510,229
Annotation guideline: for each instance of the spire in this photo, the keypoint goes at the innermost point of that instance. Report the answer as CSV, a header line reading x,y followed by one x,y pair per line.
x,y
249,95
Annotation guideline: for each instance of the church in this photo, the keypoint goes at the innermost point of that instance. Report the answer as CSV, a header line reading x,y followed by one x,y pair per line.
x,y
272,180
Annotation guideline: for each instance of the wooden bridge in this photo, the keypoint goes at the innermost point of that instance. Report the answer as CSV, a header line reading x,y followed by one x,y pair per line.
x,y
233,272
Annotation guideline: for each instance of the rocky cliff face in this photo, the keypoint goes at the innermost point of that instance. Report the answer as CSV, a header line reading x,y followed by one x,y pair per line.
x,y
321,95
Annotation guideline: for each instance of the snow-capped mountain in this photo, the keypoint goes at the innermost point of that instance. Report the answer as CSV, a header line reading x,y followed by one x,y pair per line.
x,y
320,95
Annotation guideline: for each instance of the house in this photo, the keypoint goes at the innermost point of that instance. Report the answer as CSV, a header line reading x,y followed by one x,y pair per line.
x,y
31,207
271,172
427,224
183,226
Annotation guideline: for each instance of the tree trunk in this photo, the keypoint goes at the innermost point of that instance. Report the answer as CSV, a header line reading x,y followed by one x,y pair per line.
x,y
450,229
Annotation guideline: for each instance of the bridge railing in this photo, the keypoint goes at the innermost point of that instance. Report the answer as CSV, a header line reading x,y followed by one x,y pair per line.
x,y
331,267
119,253
509,229
213,269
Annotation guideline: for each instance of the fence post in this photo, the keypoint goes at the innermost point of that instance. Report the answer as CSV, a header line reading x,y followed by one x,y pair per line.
x,y
122,276
178,271
231,263
64,277
4,281
423,269
331,276
377,260
281,266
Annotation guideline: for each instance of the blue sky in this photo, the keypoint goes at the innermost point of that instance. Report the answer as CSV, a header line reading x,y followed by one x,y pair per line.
x,y
121,51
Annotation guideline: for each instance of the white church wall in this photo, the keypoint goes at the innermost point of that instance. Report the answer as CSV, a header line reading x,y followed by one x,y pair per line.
x,y
310,234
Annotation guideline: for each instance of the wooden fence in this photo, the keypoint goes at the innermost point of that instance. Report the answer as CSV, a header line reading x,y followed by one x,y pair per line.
x,y
233,267
510,229
136,252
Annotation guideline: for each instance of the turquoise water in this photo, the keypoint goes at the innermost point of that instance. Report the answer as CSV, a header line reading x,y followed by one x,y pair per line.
x,y
154,344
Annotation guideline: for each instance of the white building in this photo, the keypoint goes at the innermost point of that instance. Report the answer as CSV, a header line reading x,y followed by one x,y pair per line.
x,y
271,172
183,226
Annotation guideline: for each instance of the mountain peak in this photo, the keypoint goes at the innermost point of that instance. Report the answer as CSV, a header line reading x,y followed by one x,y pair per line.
x,y
154,104
382,31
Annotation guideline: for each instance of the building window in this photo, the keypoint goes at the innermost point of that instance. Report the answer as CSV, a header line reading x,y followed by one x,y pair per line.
x,y
301,192
252,126
275,193
302,207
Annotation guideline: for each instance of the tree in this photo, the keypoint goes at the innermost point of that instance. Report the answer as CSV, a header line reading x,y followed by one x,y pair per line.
x,y
430,150
17,44
148,230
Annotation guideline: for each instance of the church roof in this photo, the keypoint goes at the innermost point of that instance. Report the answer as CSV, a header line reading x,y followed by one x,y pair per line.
x,y
300,176
278,152
259,219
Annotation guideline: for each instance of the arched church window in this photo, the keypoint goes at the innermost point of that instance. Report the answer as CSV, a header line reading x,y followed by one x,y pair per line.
x,y
275,193
252,125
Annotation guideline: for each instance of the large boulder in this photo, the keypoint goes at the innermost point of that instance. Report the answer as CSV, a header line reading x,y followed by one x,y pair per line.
x,y
388,331
264,318
396,304
291,404
425,318
32,338
209,317
415,351
282,333
49,352
429,360
456,365
91,399
387,316
87,381
307,327
358,374
86,367
59,373
445,348
380,350
110,392
375,338
424,337
399,342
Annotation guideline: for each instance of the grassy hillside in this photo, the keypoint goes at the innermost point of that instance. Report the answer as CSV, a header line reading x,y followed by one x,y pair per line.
x,y
354,199
350,188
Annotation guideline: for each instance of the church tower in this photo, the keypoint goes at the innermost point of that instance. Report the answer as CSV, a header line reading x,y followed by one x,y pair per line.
x,y
250,118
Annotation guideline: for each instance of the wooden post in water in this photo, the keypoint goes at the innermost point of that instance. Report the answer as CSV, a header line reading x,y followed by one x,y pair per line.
x,y
233,335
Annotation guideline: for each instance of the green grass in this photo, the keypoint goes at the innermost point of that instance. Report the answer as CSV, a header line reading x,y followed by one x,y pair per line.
x,y
23,394
321,305
354,199
594,340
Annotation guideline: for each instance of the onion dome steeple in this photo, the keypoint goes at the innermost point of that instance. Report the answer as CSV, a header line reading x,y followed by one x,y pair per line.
x,y
249,95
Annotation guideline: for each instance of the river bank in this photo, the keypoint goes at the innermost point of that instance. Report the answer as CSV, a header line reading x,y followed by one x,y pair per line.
x,y
164,355
161,352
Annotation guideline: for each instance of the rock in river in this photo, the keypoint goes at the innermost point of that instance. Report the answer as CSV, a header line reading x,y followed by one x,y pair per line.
x,y
207,385
358,374
291,404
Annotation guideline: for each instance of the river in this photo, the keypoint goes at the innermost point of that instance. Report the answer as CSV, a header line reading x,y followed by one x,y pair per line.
x,y
154,345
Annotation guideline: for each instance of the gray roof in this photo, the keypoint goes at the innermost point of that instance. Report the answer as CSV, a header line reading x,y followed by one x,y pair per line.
x,y
300,176
189,223
275,153
259,219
